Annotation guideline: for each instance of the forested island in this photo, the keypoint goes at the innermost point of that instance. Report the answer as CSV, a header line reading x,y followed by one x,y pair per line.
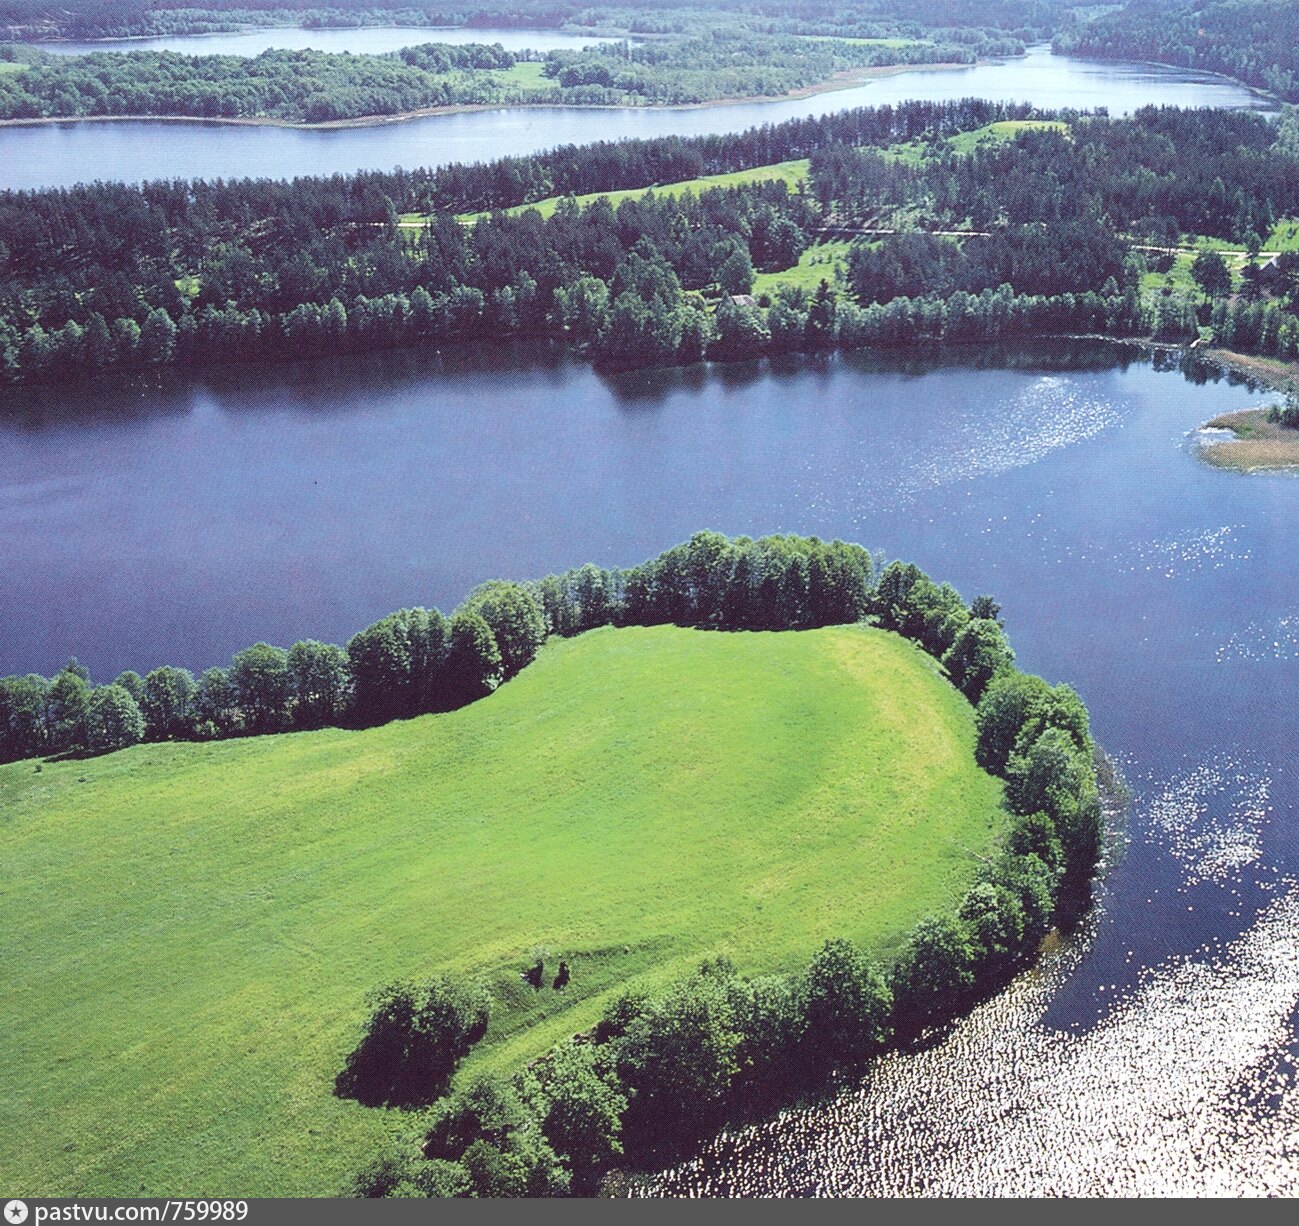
x,y
664,1057
668,56
924,222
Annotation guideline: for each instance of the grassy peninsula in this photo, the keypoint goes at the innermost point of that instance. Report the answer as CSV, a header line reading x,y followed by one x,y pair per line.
x,y
201,923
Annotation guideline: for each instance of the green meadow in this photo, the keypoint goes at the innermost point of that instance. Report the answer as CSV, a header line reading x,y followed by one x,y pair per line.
x,y
189,931
790,172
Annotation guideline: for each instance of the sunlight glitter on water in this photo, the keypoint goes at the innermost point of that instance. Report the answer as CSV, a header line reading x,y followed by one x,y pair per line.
x,y
1210,818
1258,641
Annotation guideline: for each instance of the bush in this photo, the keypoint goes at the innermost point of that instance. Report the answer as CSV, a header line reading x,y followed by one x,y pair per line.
x,y
486,1143
846,1003
416,1036
580,1105
933,977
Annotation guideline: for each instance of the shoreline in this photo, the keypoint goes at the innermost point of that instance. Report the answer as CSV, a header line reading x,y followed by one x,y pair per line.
x,y
1257,444
846,80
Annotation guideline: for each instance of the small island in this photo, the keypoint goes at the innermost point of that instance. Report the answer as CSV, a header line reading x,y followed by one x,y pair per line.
x,y
1263,440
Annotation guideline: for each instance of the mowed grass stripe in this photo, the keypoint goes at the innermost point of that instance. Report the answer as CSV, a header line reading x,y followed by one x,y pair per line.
x,y
189,931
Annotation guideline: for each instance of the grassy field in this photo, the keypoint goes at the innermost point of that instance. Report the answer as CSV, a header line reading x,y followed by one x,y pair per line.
x,y
188,932
1284,236
790,172
10,66
818,263
526,75
913,152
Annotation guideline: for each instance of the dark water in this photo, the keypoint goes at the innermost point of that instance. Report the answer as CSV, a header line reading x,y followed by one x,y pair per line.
x,y
59,155
1155,1054
361,41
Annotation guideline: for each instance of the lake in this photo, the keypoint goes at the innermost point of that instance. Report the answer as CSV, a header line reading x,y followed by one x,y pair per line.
x,y
178,521
59,155
367,40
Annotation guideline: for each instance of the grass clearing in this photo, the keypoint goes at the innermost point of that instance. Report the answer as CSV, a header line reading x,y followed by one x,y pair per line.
x,y
527,75
189,931
12,66
820,262
792,173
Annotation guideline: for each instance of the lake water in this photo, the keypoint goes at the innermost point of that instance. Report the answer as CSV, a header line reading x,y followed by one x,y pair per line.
x,y
177,522
59,155
370,40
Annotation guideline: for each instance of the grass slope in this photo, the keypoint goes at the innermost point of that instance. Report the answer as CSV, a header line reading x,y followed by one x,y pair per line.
x,y
188,932
791,172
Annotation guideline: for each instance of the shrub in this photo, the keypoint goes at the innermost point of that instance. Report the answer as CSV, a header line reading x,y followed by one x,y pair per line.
x,y
416,1036
846,1003
935,973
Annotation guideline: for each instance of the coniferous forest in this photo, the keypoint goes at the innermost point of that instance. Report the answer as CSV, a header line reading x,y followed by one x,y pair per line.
x,y
1049,232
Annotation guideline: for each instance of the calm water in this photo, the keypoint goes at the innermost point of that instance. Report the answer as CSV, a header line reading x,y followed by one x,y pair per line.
x,y
369,41
1155,1055
59,155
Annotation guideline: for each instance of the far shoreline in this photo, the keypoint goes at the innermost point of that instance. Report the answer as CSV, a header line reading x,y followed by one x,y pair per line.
x,y
841,81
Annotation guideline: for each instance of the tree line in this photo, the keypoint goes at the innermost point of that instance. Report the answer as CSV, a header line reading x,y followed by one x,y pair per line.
x,y
1020,19
307,86
657,1073
416,661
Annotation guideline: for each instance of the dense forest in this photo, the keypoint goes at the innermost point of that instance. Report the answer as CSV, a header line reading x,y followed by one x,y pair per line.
x,y
870,18
319,87
105,276
1256,41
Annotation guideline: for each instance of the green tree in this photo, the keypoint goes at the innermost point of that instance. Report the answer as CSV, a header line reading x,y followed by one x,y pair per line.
x,y
167,704
320,682
934,975
735,273
847,1003
216,704
132,683
260,676
994,919
1005,707
415,1038
1210,272
580,1105
113,720
69,700
977,654
158,337
23,707
679,1058
490,1134
514,617
473,666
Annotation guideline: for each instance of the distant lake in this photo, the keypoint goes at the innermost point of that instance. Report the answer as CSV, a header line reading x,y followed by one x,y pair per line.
x,y
59,155
371,40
